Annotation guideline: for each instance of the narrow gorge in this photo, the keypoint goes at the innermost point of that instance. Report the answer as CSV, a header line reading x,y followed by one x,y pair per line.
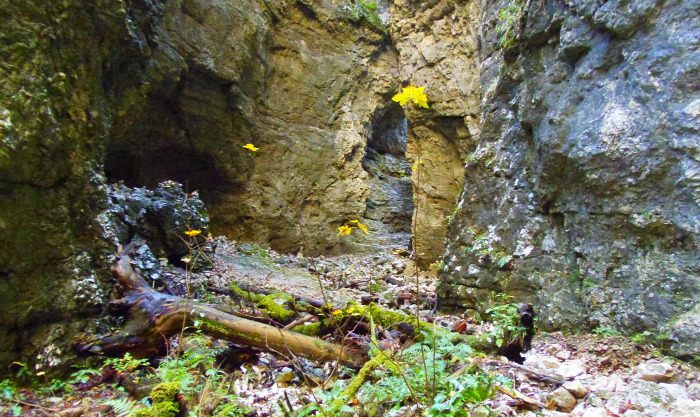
x,y
557,161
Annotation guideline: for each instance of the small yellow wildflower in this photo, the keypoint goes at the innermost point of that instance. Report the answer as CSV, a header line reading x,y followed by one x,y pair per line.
x,y
251,147
192,233
186,260
344,230
417,94
361,226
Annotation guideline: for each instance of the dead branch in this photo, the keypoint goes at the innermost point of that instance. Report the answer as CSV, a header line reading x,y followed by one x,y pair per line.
x,y
153,317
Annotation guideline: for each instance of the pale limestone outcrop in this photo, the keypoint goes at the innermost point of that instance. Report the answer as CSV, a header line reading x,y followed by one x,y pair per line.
x,y
438,45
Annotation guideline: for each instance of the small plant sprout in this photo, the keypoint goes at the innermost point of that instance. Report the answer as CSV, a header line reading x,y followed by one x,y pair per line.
x,y
251,147
346,229
416,94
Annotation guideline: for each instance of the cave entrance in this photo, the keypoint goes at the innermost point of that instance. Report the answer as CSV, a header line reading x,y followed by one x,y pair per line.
x,y
175,137
389,208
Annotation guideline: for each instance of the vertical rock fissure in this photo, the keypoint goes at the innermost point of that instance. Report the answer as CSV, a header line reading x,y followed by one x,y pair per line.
x,y
389,207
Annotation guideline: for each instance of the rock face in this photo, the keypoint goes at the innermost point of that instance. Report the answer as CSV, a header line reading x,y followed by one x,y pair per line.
x,y
582,194
574,143
438,49
306,82
54,276
157,221
147,91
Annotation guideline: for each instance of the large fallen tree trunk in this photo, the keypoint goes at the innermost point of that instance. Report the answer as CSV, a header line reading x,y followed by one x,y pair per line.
x,y
153,317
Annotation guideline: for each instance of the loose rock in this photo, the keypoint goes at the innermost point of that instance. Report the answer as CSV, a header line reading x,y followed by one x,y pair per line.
x,y
564,400
576,388
655,372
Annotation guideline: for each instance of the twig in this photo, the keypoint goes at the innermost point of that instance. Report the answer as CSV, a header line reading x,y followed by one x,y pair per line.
x,y
299,321
29,404
537,375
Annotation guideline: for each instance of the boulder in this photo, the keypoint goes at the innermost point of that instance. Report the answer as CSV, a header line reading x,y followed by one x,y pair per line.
x,y
684,334
576,388
564,400
655,372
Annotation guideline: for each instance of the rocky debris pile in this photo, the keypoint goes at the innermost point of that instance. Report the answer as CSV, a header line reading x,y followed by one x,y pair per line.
x,y
157,222
610,377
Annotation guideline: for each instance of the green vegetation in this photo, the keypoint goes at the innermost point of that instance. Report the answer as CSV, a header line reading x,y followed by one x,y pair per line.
x,y
433,375
508,24
195,378
506,320
606,332
367,11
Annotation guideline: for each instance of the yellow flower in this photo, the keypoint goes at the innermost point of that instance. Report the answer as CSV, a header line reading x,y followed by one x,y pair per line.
x,y
344,230
251,147
361,226
194,232
186,260
417,94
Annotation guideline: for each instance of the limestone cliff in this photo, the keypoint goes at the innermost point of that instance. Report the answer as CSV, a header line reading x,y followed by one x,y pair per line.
x,y
582,194
305,82
54,116
438,45
559,154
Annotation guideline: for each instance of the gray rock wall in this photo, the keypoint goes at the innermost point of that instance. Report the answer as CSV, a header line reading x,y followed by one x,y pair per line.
x,y
582,194
54,260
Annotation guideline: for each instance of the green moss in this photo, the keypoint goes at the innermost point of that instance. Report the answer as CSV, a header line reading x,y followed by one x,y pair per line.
x,y
268,302
165,392
168,409
277,311
312,329
384,318
222,329
165,403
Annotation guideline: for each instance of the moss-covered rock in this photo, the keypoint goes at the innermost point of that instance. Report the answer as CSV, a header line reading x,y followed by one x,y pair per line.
x,y
165,403
276,305
54,116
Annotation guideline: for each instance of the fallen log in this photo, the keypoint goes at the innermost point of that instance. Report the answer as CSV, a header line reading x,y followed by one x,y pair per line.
x,y
249,288
153,317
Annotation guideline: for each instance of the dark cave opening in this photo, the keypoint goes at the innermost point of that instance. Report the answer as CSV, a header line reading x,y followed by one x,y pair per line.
x,y
149,167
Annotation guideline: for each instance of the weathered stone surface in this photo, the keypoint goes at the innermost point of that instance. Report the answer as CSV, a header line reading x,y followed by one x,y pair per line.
x,y
595,412
157,220
582,193
564,400
438,48
306,82
684,333
655,372
54,115
172,91
655,399
576,388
